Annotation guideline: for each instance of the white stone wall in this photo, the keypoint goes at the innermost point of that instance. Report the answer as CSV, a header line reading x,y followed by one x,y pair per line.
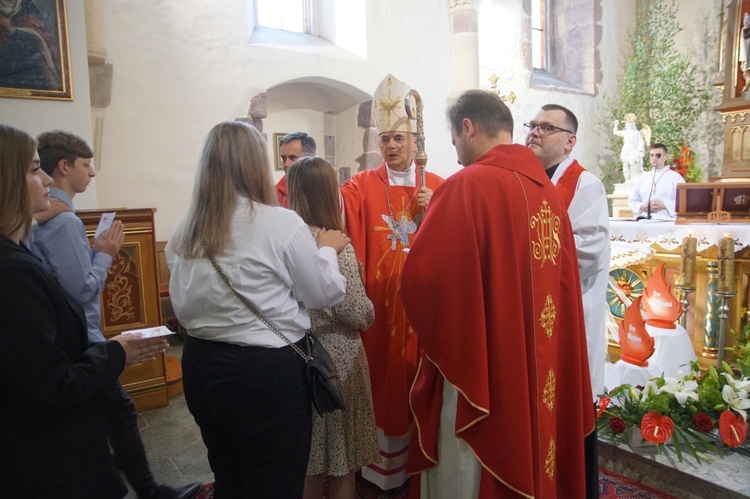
x,y
699,38
181,67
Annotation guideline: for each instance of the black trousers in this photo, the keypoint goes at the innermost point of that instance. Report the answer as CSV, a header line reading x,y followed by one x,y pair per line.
x,y
125,439
591,452
253,409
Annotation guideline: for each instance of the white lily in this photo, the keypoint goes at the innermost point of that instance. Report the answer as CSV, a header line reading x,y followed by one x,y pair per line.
x,y
650,389
682,389
736,399
738,385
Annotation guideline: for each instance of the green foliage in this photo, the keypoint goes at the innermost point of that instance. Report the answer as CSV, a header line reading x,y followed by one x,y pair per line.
x,y
741,352
659,85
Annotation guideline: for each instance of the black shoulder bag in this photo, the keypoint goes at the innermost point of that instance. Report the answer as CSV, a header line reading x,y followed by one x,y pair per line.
x,y
322,378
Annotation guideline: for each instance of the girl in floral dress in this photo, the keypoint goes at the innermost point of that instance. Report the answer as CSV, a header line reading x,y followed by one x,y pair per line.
x,y
342,441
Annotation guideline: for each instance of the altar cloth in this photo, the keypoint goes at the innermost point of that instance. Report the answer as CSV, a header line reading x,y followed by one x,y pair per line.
x,y
669,235
673,350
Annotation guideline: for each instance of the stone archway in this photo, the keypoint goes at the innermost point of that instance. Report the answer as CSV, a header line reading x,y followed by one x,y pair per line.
x,y
329,97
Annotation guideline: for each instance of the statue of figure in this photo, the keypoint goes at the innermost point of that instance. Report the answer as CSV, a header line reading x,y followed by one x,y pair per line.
x,y
744,49
633,148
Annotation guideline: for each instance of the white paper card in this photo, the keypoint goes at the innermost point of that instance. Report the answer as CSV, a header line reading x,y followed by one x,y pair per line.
x,y
104,223
151,332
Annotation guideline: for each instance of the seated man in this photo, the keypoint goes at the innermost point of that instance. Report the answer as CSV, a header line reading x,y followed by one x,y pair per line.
x,y
654,192
60,242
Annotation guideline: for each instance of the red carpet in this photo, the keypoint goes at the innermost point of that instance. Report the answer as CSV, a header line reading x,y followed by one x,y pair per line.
x,y
611,486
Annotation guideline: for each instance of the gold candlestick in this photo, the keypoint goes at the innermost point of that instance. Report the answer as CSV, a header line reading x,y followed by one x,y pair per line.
x,y
687,264
726,265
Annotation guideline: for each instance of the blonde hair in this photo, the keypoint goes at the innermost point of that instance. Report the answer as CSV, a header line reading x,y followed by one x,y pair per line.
x,y
233,163
314,192
16,153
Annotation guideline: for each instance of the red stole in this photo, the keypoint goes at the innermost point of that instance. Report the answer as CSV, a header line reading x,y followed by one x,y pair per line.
x,y
492,286
566,185
371,205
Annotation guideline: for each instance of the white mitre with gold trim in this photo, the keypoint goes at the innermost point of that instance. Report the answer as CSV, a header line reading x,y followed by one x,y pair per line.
x,y
388,104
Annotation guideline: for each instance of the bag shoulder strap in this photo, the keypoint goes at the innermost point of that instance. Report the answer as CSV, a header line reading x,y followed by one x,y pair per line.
x,y
257,312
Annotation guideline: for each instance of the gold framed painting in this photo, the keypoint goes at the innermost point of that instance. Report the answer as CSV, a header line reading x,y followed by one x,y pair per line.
x,y
277,164
34,54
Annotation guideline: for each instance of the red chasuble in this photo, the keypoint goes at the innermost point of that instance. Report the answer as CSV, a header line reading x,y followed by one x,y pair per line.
x,y
492,286
281,192
380,219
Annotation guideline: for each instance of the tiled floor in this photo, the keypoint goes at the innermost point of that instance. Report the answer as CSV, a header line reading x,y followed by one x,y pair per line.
x,y
173,441
176,452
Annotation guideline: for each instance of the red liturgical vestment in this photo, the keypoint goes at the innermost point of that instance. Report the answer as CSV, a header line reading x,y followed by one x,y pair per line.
x,y
281,192
380,219
492,286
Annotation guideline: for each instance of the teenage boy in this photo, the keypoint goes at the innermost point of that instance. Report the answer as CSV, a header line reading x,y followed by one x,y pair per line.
x,y
61,243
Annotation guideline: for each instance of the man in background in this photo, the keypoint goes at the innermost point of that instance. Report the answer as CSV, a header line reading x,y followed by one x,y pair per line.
x,y
292,146
655,192
502,397
62,245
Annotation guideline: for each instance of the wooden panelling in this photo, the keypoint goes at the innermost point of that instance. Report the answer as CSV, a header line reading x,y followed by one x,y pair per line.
x,y
130,299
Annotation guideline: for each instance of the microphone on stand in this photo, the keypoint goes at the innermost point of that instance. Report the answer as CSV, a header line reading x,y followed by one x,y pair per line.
x,y
650,192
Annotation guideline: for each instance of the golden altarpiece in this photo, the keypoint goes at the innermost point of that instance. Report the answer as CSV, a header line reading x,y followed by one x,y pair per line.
x,y
702,315
130,299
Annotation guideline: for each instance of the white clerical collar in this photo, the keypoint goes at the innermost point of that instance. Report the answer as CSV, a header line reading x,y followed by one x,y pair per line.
x,y
406,178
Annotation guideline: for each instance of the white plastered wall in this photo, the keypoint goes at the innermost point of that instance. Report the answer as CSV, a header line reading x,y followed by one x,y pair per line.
x,y
181,67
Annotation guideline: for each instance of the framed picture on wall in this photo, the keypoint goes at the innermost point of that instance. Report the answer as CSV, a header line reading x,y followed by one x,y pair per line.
x,y
277,164
34,56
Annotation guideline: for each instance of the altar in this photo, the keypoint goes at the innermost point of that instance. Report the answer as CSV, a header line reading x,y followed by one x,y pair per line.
x,y
665,239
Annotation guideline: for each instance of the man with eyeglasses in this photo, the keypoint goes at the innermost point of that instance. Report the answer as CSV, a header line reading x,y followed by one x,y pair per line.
x,y
552,136
383,208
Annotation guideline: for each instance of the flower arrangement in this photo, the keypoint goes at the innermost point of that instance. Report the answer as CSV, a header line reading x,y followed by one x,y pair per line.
x,y
686,166
684,410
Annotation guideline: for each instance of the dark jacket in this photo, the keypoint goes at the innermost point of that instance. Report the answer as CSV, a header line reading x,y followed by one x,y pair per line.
x,y
53,440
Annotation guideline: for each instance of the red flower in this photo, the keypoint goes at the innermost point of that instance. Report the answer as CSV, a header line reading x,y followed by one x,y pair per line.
x,y
732,428
603,404
703,422
655,428
617,425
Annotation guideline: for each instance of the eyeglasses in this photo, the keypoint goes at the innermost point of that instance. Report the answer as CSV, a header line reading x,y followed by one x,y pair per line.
x,y
544,129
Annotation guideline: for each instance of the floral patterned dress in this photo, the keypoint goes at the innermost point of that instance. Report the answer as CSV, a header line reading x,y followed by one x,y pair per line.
x,y
344,441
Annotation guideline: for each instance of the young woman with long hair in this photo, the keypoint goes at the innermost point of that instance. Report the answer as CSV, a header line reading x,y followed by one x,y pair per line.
x,y
342,442
244,385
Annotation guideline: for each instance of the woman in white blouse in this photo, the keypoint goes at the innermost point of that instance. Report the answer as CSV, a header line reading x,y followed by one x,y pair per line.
x,y
244,385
